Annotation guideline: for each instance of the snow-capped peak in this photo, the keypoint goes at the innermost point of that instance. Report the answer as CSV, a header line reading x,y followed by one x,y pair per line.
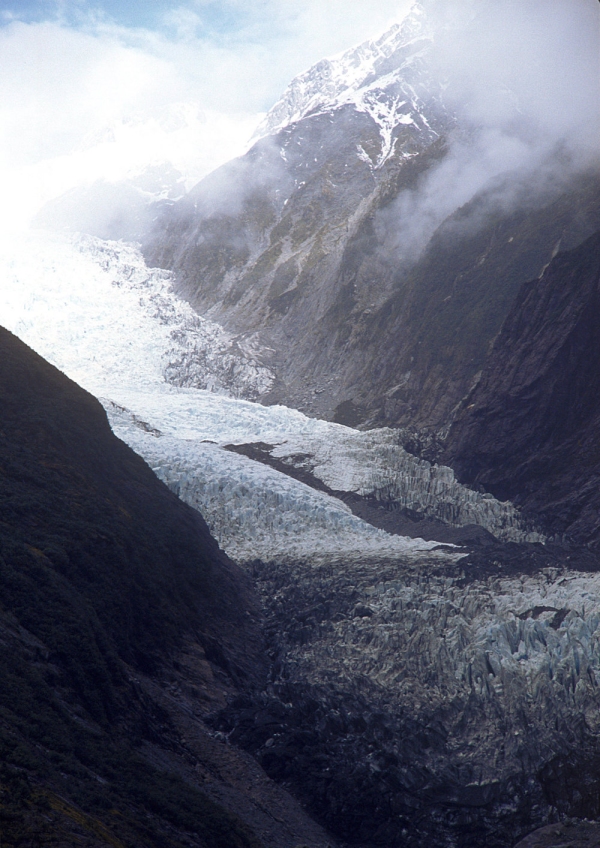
x,y
382,77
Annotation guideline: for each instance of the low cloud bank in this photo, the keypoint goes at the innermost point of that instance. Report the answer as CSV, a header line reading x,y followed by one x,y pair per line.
x,y
86,96
522,79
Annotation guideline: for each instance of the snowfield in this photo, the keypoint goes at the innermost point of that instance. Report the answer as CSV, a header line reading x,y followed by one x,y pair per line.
x,y
174,386
357,78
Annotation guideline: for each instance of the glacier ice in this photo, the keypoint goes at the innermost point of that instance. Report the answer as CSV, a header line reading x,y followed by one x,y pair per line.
x,y
173,382
534,635
95,310
372,463
251,509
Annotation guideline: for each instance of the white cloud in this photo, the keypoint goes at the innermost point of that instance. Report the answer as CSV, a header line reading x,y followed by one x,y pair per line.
x,y
524,79
100,100
528,68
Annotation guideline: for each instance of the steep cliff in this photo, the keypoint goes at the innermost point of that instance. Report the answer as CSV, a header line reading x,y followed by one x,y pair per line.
x,y
529,430
334,244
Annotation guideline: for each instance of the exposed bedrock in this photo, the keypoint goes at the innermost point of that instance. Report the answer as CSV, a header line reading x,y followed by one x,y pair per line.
x,y
571,834
291,249
530,429
373,289
431,703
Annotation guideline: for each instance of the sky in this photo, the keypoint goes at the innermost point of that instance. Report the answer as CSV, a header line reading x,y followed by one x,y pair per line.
x,y
93,90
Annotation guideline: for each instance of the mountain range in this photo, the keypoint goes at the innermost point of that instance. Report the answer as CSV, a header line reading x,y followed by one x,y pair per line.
x,y
395,640
337,245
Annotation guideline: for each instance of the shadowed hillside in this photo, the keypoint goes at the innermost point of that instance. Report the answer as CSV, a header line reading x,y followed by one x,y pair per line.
x,y
529,430
120,622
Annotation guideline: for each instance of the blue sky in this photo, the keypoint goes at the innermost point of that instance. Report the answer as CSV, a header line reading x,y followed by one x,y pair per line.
x,y
221,20
277,38
136,13
215,18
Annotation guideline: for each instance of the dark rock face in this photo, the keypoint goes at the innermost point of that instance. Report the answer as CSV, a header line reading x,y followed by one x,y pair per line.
x,y
569,835
427,343
529,430
288,246
121,624
94,512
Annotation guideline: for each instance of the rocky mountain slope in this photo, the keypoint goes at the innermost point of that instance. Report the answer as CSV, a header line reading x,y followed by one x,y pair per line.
x,y
410,693
121,625
529,430
315,244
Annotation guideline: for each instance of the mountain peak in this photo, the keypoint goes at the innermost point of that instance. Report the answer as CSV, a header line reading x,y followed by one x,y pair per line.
x,y
382,77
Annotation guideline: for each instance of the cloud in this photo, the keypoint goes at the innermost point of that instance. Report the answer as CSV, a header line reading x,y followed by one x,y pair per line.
x,y
75,107
522,78
529,68
96,90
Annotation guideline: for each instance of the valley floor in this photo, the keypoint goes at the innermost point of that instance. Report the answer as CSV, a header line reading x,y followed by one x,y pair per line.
x,y
418,689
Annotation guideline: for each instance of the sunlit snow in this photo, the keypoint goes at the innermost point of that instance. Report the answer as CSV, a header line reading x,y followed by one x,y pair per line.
x,y
356,77
174,385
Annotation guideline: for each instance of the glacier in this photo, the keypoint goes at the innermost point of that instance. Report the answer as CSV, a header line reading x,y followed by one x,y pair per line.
x,y
177,388
251,509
